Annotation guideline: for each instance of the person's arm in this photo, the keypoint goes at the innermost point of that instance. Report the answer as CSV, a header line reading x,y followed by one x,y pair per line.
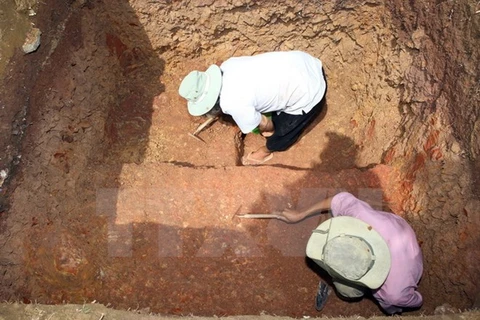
x,y
243,112
266,126
289,215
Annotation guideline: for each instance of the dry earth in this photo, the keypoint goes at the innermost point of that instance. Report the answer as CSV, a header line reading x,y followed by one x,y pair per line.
x,y
107,198
100,312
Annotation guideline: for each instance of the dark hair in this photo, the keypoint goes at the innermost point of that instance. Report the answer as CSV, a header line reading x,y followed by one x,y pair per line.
x,y
215,111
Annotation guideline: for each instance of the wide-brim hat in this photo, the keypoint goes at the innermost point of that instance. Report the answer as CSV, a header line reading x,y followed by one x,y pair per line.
x,y
350,249
201,89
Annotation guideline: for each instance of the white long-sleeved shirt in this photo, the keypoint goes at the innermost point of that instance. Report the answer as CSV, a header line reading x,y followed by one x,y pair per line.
x,y
286,81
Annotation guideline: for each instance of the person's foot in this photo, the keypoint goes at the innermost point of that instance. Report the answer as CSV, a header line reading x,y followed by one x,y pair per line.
x,y
322,295
257,157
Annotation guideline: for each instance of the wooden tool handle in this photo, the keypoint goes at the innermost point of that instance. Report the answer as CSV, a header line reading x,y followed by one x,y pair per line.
x,y
260,216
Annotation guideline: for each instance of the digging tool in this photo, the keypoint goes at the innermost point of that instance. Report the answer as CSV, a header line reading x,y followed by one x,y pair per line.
x,y
202,126
273,215
195,137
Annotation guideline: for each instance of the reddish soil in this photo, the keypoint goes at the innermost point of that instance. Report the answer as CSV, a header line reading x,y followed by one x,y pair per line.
x,y
110,199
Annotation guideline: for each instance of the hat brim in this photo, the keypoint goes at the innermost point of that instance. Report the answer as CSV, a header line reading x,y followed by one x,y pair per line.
x,y
214,76
376,276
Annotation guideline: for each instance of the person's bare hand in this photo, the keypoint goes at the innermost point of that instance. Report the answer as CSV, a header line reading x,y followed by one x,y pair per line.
x,y
266,125
267,134
291,216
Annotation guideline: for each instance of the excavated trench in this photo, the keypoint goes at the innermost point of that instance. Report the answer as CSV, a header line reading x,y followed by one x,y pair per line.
x,y
106,197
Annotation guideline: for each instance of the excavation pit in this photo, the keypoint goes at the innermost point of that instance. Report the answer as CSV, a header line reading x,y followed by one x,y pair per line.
x,y
108,197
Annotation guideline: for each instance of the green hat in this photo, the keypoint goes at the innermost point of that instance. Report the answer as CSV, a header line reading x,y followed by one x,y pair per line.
x,y
350,249
201,89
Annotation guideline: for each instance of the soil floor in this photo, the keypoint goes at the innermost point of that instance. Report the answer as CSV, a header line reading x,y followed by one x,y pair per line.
x,y
99,312
114,201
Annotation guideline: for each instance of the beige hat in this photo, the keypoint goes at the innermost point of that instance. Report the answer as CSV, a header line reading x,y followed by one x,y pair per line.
x,y
351,249
201,89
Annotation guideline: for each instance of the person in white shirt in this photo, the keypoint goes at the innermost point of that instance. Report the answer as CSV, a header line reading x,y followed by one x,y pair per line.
x,y
277,94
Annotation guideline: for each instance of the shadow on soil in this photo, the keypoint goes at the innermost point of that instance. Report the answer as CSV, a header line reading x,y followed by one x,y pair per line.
x,y
336,172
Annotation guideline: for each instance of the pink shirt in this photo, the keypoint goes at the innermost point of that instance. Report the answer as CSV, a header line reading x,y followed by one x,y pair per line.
x,y
399,289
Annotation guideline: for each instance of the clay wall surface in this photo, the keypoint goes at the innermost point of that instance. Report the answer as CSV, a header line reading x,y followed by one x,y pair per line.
x,y
106,197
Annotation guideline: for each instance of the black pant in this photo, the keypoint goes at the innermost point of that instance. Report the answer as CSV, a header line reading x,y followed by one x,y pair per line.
x,y
289,127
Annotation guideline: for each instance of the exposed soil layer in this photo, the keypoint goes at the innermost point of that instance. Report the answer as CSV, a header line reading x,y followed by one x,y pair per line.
x,y
109,199
95,311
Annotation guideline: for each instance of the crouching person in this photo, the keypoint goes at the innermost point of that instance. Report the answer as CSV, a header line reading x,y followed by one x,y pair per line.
x,y
363,250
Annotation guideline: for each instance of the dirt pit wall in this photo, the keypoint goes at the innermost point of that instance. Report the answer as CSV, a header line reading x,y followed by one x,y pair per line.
x,y
109,199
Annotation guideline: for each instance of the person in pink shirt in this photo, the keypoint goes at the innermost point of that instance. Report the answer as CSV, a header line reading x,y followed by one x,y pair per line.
x,y
364,249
